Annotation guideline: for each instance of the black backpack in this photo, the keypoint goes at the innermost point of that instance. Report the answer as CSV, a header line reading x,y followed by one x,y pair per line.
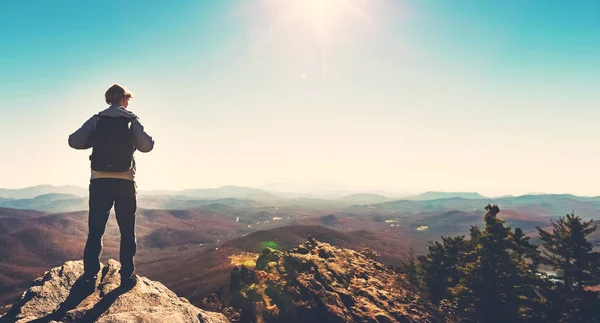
x,y
113,145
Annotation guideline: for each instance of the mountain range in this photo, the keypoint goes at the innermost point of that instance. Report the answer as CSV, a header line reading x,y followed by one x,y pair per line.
x,y
33,191
268,192
446,195
202,240
206,233
49,198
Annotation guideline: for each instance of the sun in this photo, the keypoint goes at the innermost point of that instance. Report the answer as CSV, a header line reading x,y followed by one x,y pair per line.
x,y
324,15
309,33
321,16
320,10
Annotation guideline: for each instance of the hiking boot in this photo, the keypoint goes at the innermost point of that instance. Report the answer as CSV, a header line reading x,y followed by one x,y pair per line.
x,y
128,281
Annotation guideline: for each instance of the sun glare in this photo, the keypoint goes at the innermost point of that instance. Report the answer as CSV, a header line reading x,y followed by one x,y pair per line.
x,y
321,16
320,10
309,31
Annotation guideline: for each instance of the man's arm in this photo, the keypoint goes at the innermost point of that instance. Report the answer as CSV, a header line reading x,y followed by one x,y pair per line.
x,y
80,139
143,142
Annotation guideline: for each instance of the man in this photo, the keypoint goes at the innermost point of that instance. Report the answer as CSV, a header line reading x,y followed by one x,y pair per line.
x,y
114,134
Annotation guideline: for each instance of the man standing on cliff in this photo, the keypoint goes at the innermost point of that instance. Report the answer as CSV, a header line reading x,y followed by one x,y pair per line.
x,y
114,135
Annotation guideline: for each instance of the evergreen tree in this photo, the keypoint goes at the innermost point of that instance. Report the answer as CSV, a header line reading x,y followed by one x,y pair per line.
x,y
410,269
492,286
494,277
523,248
440,266
527,258
568,252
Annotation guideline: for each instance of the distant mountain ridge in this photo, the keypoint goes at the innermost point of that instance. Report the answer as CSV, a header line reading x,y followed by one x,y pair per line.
x,y
364,198
33,191
219,193
445,195
271,191
48,198
51,202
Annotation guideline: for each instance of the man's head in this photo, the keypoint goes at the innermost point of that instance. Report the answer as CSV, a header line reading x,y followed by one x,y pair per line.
x,y
118,95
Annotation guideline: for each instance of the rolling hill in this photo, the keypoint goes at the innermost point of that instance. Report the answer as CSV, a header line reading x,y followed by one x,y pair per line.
x,y
188,235
51,202
237,192
364,198
446,195
201,270
31,242
33,191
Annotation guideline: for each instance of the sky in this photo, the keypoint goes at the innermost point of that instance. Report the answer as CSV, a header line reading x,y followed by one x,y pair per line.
x,y
498,97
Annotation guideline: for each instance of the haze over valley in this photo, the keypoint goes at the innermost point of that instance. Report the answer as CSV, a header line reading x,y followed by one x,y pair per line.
x,y
205,229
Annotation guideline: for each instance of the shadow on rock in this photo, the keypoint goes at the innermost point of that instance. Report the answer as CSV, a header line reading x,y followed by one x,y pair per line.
x,y
93,314
61,295
79,291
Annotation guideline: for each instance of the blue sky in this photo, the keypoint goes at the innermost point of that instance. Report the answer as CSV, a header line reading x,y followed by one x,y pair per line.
x,y
491,96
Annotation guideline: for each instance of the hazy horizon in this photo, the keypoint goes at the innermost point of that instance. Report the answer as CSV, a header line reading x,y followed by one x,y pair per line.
x,y
323,190
494,97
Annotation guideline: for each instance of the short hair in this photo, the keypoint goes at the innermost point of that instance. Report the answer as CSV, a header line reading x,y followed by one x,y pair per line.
x,y
116,93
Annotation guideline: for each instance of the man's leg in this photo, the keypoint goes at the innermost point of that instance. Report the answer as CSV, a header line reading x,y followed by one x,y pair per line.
x,y
101,202
125,207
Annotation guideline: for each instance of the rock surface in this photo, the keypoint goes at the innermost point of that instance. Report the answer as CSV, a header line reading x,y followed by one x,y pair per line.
x,y
59,296
317,282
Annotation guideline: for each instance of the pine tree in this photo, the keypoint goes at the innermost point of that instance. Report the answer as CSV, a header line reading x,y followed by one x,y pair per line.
x,y
439,266
523,248
492,285
568,252
410,269
527,259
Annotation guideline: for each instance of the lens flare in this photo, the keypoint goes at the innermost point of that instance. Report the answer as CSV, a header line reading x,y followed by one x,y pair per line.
x,y
270,245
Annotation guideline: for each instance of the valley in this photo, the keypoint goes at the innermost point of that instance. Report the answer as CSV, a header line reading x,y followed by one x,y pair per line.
x,y
189,243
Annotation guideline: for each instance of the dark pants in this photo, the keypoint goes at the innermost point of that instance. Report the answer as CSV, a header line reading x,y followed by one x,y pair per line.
x,y
104,192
